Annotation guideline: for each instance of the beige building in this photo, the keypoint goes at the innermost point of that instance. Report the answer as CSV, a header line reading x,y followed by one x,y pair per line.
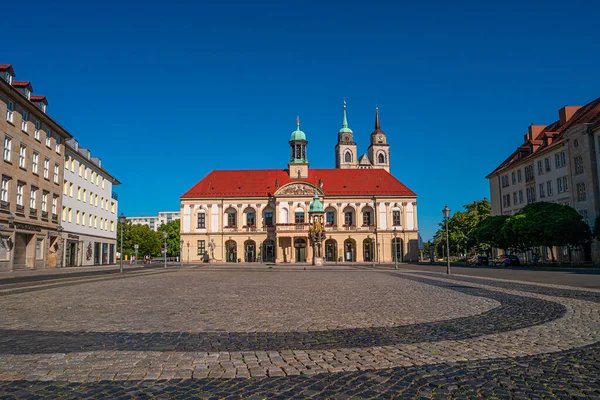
x,y
32,175
556,163
249,214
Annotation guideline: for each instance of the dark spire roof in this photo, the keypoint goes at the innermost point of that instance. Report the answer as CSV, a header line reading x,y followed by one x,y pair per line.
x,y
377,119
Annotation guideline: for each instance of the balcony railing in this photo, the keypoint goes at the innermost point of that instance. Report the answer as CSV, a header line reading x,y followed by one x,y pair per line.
x,y
230,229
114,196
293,227
4,205
251,228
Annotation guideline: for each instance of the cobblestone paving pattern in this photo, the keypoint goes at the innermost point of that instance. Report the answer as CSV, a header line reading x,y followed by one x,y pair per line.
x,y
572,374
540,342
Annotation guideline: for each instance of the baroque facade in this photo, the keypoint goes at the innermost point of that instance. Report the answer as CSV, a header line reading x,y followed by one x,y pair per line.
x,y
251,215
558,163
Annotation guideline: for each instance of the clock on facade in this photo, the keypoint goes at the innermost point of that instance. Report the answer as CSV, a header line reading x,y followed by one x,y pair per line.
x,y
380,138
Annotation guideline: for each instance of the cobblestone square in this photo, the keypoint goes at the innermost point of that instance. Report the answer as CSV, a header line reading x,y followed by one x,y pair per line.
x,y
333,332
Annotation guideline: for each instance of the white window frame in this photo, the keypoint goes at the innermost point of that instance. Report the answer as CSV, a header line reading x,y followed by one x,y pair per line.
x,y
45,202
22,156
4,190
32,198
56,172
35,160
10,108
36,133
54,204
20,194
7,148
24,120
48,135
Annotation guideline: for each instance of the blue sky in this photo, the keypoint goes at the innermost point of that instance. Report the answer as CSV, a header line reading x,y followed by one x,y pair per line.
x,y
166,92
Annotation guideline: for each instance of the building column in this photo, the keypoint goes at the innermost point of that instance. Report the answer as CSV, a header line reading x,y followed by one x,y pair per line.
x,y
259,218
388,215
208,219
340,215
240,218
220,211
403,215
415,215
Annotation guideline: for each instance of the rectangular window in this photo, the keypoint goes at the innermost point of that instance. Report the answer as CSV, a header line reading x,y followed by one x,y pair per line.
x,y
57,148
547,162
34,162
549,187
46,168
102,183
10,107
578,165
299,217
56,169
64,214
80,169
96,202
36,134
85,173
563,158
201,220
201,247
557,160
540,168
84,195
71,186
70,215
565,184
581,192
542,194
7,148
515,199
112,207
112,226
366,218
24,120
95,221
22,156
250,219
77,218
4,193
32,198
533,194
19,194
329,218
521,197
396,218
90,221
39,245
514,177
519,175
348,218
78,192
559,187
231,220
45,202
269,219
48,135
54,204
528,195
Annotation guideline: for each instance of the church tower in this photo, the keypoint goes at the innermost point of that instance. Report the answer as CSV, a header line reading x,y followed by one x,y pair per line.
x,y
345,149
379,150
298,165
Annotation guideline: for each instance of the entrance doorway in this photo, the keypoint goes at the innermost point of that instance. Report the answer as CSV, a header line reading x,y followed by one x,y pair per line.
x,y
397,245
330,250
268,252
23,249
71,254
231,248
349,250
367,250
300,247
249,251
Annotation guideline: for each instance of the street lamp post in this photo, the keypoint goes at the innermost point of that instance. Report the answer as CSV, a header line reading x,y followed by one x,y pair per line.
x,y
181,253
59,229
446,212
395,248
136,247
122,222
373,251
188,245
165,237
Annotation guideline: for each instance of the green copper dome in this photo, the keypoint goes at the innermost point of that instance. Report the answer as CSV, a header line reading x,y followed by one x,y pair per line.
x,y
316,206
345,128
298,134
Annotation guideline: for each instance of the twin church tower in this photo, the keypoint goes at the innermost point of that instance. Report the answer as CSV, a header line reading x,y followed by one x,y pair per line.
x,y
346,156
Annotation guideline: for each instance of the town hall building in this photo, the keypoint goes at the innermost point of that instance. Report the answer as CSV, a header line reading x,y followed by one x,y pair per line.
x,y
252,215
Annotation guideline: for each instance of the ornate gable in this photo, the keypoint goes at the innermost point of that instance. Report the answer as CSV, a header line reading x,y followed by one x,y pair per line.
x,y
298,189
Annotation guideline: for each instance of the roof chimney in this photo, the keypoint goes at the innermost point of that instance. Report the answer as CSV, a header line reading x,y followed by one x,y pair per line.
x,y
534,130
566,113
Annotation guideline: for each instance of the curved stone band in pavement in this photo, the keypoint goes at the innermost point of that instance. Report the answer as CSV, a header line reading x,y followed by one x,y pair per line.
x,y
560,324
515,312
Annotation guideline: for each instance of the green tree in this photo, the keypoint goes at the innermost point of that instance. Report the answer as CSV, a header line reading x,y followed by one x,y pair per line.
x,y
173,239
147,240
489,232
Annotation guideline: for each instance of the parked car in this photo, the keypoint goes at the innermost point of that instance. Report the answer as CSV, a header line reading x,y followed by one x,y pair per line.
x,y
508,260
478,260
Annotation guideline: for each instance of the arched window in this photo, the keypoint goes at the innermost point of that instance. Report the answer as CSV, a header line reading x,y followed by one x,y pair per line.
x,y
381,158
348,156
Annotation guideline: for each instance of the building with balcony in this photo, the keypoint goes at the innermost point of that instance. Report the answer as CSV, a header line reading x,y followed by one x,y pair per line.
x,y
247,214
155,221
32,168
557,163
89,209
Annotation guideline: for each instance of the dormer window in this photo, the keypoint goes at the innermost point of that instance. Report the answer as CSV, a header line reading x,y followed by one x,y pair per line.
x,y
8,77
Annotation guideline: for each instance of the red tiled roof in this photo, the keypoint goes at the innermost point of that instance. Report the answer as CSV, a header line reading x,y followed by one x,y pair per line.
x,y
38,98
4,67
261,183
588,114
21,84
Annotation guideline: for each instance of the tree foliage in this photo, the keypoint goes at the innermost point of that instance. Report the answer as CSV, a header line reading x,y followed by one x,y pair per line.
x,y
147,240
173,240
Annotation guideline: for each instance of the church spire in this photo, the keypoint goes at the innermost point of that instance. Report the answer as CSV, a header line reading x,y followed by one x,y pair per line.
x,y
345,120
377,127
345,128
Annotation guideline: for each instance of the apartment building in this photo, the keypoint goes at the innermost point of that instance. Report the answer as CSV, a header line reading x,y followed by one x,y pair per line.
x,y
89,209
155,221
31,177
556,163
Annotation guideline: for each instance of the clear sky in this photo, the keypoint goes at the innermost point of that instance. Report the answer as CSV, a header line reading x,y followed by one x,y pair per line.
x,y
164,92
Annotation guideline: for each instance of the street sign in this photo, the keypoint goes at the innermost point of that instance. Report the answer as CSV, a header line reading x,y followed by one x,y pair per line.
x,y
136,246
